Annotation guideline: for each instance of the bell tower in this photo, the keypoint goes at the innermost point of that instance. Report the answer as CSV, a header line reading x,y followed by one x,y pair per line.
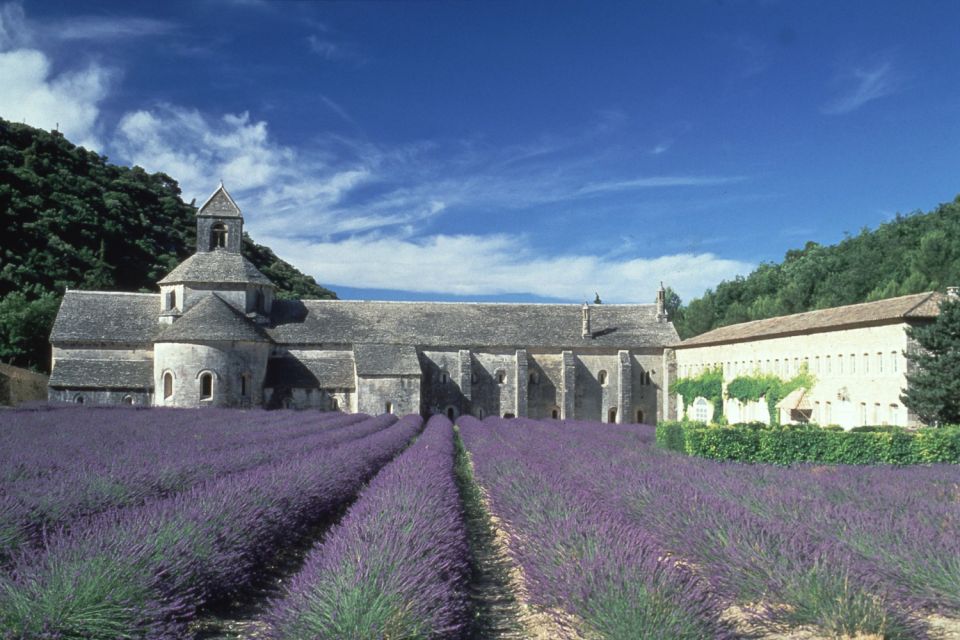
x,y
219,223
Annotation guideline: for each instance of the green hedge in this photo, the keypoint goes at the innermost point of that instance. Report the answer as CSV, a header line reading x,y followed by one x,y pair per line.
x,y
811,444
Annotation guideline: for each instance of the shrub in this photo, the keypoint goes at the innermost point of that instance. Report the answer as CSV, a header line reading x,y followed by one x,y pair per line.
x,y
670,436
723,443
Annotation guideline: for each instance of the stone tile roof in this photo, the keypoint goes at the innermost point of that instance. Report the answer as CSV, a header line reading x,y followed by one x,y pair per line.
x,y
102,374
438,324
212,319
106,317
220,204
386,359
916,306
219,266
330,372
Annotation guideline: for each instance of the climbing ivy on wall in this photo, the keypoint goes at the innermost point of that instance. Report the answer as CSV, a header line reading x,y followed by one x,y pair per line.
x,y
769,387
709,385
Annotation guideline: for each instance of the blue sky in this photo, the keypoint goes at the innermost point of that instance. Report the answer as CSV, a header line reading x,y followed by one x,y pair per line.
x,y
512,151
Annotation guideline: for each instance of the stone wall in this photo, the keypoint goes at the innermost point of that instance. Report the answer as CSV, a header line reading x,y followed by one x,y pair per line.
x,y
399,395
101,396
20,385
226,361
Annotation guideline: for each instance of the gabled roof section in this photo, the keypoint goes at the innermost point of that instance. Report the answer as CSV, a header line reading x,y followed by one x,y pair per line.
x,y
220,204
475,325
386,359
218,266
102,374
212,320
106,317
900,309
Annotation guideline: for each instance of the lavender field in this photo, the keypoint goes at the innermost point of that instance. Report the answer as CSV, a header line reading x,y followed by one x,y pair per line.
x,y
148,523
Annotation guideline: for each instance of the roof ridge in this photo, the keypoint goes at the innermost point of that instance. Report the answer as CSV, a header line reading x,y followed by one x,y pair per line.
x,y
112,293
926,299
219,189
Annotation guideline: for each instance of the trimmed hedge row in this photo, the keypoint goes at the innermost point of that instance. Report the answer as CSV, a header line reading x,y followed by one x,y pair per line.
x,y
786,446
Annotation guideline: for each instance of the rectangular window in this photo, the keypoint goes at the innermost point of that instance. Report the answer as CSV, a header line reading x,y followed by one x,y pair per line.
x,y
853,363
816,364
828,364
863,413
893,413
816,412
866,363
894,366
840,364
827,413
876,413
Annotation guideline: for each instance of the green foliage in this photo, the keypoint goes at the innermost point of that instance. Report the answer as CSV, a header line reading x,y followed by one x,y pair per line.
x,y
933,388
709,385
913,253
670,436
745,443
769,387
71,219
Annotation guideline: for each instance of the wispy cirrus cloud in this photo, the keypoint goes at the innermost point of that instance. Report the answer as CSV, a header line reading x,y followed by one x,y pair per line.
x,y
330,49
861,85
108,28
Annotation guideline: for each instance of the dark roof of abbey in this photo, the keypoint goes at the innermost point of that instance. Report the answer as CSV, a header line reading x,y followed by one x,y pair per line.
x,y
439,324
915,306
212,319
218,266
332,370
102,374
131,318
107,317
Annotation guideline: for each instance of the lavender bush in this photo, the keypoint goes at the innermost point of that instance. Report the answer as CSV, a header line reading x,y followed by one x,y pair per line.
x,y
396,566
829,547
581,560
30,507
144,571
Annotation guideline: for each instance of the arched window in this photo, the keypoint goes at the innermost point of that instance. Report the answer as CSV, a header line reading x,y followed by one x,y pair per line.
x,y
639,416
701,410
555,413
245,384
501,376
602,377
444,377
206,386
473,378
534,377
79,399
334,405
451,413
480,413
128,399
218,236
388,407
167,385
612,415
508,415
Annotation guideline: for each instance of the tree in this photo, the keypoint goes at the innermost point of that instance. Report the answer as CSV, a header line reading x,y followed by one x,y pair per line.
x,y
933,389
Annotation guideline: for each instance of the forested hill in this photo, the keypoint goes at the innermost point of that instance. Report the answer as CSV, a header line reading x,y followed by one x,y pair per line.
x,y
913,253
71,219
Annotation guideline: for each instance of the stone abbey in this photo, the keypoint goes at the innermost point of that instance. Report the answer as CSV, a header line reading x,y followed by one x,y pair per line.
x,y
216,335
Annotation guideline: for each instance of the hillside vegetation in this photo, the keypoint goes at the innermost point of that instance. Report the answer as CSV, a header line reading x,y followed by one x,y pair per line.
x,y
71,219
910,254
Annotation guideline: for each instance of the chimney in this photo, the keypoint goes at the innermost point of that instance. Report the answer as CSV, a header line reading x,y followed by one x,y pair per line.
x,y
586,321
953,293
662,304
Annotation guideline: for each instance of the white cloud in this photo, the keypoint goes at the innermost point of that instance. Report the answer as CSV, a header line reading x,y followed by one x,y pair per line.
x,y
108,28
14,31
863,86
499,264
69,100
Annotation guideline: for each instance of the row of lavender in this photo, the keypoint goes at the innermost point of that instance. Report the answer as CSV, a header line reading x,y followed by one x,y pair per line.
x,y
145,571
848,550
397,565
32,505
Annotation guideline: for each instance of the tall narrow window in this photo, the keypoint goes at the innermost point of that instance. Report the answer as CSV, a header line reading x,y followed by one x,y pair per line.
x,y
206,386
388,407
879,363
828,364
863,413
602,377
444,376
555,413
639,416
893,362
451,413
501,376
167,385
840,364
612,415
866,363
334,405
701,410
171,299
218,236
245,385
853,363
